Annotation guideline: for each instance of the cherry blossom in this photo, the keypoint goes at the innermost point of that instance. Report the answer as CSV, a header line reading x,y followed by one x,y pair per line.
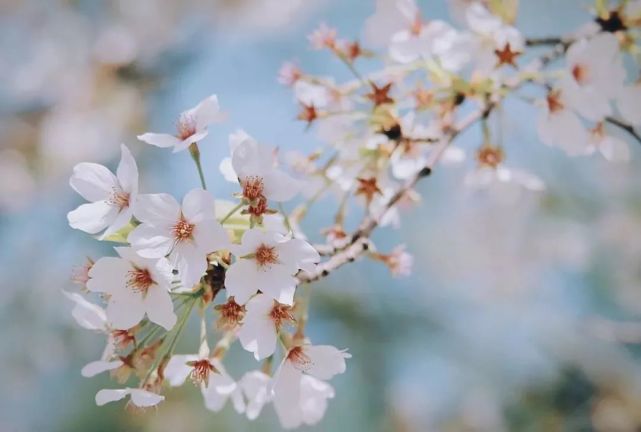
x,y
192,126
594,75
298,399
256,386
611,148
259,330
112,197
136,286
185,234
267,261
628,104
139,397
559,126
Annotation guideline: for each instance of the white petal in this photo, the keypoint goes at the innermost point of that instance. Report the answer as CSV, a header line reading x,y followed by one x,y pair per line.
x,y
242,280
210,236
301,253
257,333
314,395
108,275
159,140
207,112
143,398
125,310
97,367
221,386
278,283
198,205
121,220
105,396
93,217
150,241
190,262
251,159
157,209
255,385
280,186
615,150
629,105
159,307
286,395
177,369
195,138
92,181
326,361
86,314
127,171
227,170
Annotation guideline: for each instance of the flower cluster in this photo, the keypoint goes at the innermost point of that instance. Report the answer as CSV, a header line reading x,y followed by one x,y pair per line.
x,y
243,264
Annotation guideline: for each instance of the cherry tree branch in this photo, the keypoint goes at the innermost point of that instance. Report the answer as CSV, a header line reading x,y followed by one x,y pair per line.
x,y
624,126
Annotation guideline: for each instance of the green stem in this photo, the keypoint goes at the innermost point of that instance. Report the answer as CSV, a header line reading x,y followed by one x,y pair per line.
x,y
195,155
231,212
288,224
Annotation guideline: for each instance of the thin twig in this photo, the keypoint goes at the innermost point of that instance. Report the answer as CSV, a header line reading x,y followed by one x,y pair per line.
x,y
624,126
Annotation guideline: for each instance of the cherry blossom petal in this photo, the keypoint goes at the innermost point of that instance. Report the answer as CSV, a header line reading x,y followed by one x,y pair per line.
x,y
210,236
160,210
314,394
177,369
127,171
150,241
98,367
326,361
105,396
159,139
92,181
257,333
195,138
159,307
108,275
255,386
629,106
286,395
143,398
190,262
280,186
86,314
615,150
92,217
207,112
125,310
121,220
242,280
301,253
198,205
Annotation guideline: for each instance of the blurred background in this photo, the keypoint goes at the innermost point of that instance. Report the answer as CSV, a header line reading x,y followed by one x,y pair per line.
x,y
519,316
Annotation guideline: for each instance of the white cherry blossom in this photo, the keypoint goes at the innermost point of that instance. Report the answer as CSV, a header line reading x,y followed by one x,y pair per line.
x,y
263,319
256,386
185,234
267,261
628,104
594,75
192,126
136,286
297,402
611,148
559,126
112,197
139,397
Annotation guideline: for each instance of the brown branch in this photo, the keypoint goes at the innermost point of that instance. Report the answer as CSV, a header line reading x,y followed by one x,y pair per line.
x,y
624,126
360,242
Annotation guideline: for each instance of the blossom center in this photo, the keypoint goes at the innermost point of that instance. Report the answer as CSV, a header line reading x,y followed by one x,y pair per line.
x,y
299,359
186,126
139,280
253,188
580,74
183,230
122,338
490,156
266,255
231,313
281,314
119,198
554,101
200,371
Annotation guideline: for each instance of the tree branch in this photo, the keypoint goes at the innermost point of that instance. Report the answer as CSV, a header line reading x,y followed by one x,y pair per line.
x,y
625,126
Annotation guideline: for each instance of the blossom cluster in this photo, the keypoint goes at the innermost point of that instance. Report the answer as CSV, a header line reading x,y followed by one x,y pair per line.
x,y
384,132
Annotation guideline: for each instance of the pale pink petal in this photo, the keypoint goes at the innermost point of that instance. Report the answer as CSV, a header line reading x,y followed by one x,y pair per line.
x,y
280,186
86,314
615,150
190,262
301,253
105,396
629,105
143,398
326,361
159,307
210,236
257,333
93,217
98,367
195,138
177,369
127,172
125,310
207,112
286,395
255,385
108,275
121,220
198,205
242,280
150,241
159,140
157,209
92,181
314,394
